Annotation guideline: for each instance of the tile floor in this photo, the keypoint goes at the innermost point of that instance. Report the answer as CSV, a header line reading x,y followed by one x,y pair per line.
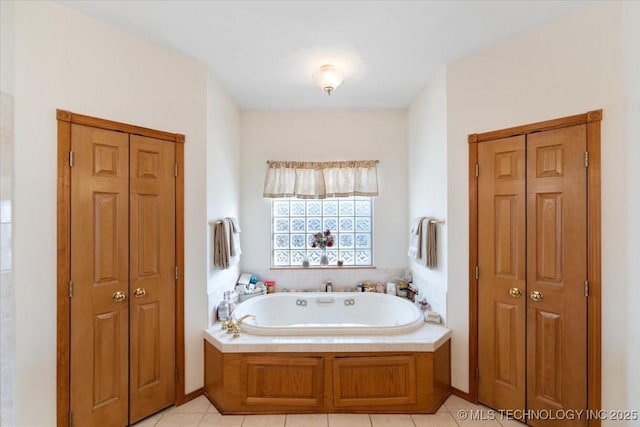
x,y
200,413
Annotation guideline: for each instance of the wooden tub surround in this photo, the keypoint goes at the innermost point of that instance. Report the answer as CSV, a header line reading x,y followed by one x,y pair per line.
x,y
341,374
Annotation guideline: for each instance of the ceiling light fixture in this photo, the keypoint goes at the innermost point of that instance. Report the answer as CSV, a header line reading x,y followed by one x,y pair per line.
x,y
329,78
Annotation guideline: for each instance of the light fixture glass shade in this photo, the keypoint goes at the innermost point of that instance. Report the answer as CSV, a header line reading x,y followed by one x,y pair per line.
x,y
329,78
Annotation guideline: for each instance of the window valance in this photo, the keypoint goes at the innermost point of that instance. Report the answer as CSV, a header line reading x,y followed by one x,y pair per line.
x,y
319,180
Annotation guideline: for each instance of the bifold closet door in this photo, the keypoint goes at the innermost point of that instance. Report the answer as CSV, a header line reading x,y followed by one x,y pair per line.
x,y
501,284
532,257
123,273
556,272
152,304
99,355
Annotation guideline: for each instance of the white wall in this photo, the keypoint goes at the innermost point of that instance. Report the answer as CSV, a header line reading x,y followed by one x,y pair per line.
x,y
322,136
67,60
7,39
7,282
427,156
223,183
571,66
631,47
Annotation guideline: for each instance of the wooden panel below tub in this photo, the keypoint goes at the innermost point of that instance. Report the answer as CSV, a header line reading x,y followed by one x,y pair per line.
x,y
374,382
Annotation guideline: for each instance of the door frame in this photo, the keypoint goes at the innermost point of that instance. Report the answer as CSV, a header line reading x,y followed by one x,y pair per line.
x,y
65,119
592,121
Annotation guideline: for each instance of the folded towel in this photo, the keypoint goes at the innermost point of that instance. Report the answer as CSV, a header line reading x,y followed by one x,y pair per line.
x,y
221,252
234,236
415,245
432,245
235,224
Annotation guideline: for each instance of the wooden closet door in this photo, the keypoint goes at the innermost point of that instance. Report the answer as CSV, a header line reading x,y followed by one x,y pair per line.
x,y
100,274
556,272
501,284
152,242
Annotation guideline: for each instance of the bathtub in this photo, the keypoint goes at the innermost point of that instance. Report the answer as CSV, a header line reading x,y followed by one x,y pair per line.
x,y
339,313
328,353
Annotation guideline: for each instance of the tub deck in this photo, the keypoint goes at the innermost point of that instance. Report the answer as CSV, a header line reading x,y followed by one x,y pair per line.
x,y
407,373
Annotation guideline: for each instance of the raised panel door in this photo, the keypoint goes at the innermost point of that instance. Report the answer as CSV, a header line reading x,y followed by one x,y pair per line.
x,y
374,381
99,270
276,381
152,276
556,273
501,284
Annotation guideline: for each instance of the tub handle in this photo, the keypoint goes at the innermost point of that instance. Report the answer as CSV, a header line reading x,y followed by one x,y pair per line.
x,y
301,302
349,301
325,300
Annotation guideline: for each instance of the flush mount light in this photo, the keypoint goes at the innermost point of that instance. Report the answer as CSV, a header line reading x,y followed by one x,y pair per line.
x,y
329,78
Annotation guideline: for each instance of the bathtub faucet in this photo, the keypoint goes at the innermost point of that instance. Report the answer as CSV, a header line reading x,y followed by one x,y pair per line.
x,y
234,327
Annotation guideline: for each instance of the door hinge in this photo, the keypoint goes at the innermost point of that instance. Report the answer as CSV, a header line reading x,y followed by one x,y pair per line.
x,y
70,419
70,289
586,288
176,375
477,272
477,170
71,157
176,272
477,374
586,159
175,169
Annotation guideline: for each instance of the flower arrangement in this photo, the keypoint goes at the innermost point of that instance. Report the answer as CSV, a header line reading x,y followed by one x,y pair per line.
x,y
322,240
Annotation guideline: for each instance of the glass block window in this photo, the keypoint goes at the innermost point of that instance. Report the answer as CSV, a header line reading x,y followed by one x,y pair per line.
x,y
295,221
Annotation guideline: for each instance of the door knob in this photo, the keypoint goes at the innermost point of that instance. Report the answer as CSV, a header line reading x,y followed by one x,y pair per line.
x,y
536,296
139,292
515,292
119,296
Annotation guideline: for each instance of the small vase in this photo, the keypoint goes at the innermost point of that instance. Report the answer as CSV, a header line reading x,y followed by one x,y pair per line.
x,y
324,260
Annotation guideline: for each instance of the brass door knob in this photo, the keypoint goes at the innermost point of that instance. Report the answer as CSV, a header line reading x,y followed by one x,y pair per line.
x,y
139,292
515,292
119,296
536,296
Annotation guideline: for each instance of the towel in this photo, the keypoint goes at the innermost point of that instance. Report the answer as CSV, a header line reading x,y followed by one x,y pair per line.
x,y
234,236
432,245
221,250
415,245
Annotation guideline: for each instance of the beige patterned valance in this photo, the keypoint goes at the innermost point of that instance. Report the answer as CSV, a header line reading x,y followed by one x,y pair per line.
x,y
319,180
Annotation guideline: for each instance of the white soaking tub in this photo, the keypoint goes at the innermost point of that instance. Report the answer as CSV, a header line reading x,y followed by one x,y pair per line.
x,y
338,313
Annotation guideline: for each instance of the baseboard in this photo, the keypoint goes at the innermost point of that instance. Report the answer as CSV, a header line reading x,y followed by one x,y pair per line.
x,y
190,396
461,394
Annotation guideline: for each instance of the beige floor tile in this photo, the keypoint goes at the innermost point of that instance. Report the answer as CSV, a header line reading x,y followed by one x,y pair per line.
x,y
199,405
479,423
263,421
174,419
349,420
217,420
152,420
307,420
510,423
212,410
470,415
149,422
440,419
454,404
442,409
391,420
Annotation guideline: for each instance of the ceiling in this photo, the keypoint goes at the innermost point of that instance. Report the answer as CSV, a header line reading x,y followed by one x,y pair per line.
x,y
265,52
